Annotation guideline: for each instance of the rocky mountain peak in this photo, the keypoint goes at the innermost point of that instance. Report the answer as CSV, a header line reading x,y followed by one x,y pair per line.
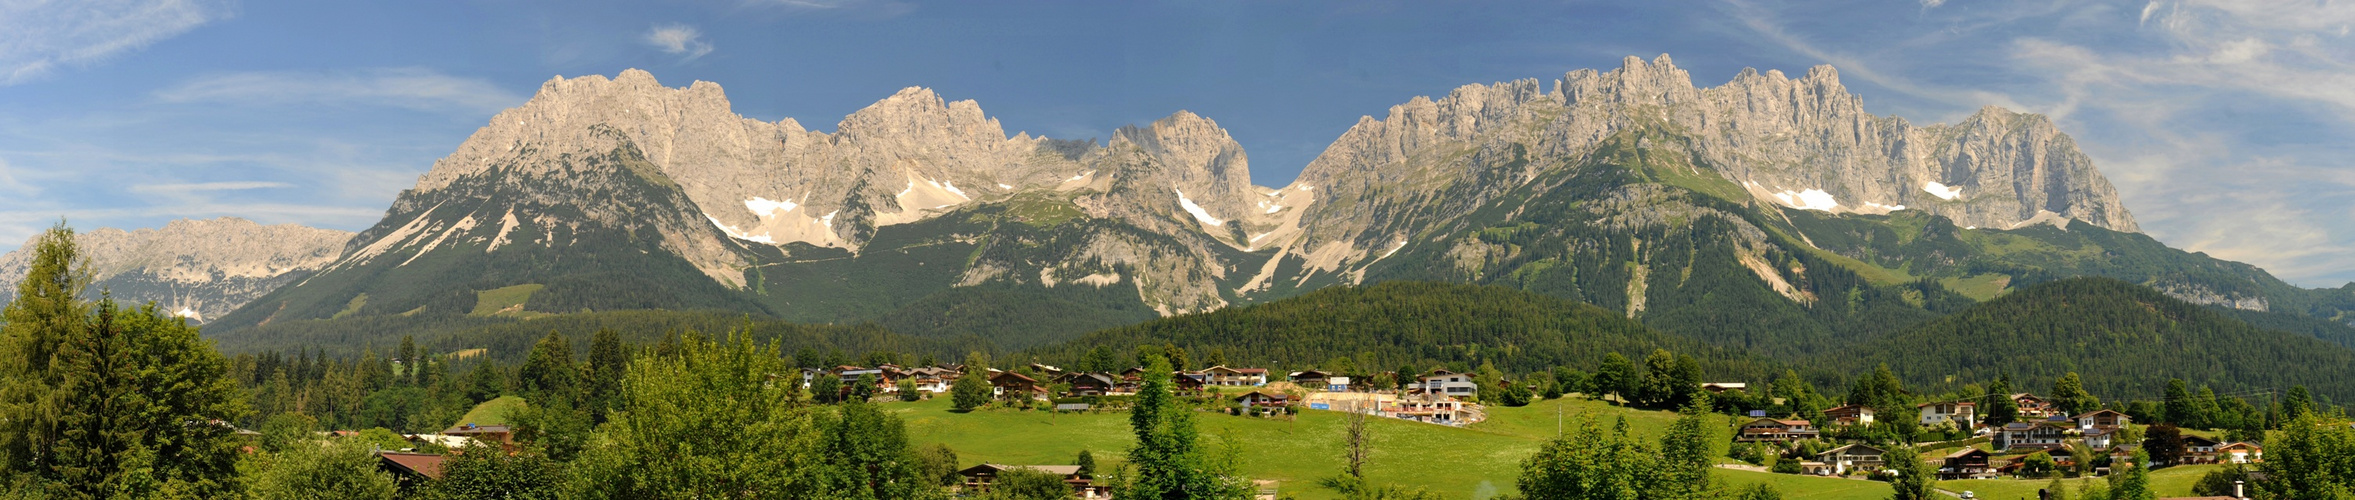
x,y
201,266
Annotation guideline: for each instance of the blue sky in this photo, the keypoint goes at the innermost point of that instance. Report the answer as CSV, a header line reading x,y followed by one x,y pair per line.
x,y
2229,126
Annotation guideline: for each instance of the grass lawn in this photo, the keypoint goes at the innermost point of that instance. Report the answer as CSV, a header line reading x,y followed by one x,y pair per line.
x,y
1811,487
493,412
1482,461
2168,482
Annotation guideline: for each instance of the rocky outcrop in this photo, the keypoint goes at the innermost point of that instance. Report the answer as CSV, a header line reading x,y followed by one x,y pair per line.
x,y
1803,143
191,267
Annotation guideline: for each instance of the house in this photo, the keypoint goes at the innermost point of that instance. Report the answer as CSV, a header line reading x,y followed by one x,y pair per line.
x,y
1719,387
2121,455
1309,379
1337,384
1183,382
1257,399
1450,384
1963,414
2033,407
2198,450
1049,371
1855,457
2240,453
2100,439
2102,419
1815,468
1849,415
852,373
978,478
410,470
499,434
1133,374
2019,436
1779,430
1967,463
1430,407
1091,384
1010,385
1236,377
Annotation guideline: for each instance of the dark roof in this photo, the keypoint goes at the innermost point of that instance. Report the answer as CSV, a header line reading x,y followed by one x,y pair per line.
x,y
470,429
1060,470
422,464
1968,452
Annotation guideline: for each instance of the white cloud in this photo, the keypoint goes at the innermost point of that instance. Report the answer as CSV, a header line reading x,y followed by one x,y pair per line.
x,y
39,36
413,88
206,186
678,39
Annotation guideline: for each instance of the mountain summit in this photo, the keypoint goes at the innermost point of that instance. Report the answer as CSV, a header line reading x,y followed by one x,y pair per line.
x,y
1631,189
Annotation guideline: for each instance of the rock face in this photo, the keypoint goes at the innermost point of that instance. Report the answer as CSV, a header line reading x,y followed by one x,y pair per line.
x,y
195,268
1802,143
624,193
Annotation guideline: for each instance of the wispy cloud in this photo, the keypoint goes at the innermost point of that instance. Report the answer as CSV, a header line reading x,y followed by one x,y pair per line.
x,y
412,88
206,186
678,39
38,37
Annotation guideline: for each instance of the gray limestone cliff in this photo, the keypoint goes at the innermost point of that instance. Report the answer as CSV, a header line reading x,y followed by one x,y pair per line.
x,y
191,267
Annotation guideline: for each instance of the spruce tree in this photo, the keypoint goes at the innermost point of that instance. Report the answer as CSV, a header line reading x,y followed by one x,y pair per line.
x,y
548,371
2178,406
609,363
46,313
2001,408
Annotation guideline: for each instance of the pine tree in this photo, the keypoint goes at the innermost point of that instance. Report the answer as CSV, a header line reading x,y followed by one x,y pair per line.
x,y
548,372
1915,478
2296,404
609,363
2178,404
409,374
2001,408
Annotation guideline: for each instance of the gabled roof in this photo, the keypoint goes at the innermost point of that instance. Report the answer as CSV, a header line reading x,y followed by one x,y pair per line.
x,y
1853,448
1098,377
1060,470
1968,452
1311,373
1860,408
994,378
2242,444
2097,413
2190,439
1267,395
422,464
1956,403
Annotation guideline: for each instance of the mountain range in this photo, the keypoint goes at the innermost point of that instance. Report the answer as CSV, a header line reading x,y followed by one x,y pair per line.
x,y
1769,213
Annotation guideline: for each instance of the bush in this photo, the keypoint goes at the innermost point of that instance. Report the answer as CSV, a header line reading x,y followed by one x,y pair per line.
x,y
1786,466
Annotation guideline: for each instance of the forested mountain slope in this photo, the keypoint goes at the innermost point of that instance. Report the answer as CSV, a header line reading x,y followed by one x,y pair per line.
x,y
2127,339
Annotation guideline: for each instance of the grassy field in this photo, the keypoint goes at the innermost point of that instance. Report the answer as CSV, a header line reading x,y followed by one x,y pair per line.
x,y
493,412
1481,461
2168,482
505,301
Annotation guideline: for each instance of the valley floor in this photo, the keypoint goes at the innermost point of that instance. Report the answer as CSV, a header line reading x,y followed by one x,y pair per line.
x,y
1479,461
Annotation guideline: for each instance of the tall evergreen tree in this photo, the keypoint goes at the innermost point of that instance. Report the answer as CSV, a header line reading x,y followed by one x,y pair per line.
x,y
2001,408
48,311
609,363
408,358
2296,404
1915,479
548,371
2178,406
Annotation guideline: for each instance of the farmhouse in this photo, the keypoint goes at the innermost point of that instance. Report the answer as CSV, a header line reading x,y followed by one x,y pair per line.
x,y
1963,414
1768,429
1855,457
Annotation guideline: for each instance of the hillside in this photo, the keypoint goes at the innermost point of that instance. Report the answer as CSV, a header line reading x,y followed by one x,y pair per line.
x,y
2128,341
1420,324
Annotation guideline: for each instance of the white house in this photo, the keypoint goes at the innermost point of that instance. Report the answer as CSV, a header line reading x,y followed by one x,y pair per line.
x,y
1450,383
1963,414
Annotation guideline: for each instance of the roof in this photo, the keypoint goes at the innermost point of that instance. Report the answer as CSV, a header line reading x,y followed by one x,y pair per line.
x,y
423,464
1071,407
1314,373
1261,371
471,429
1956,403
2097,412
1778,421
1060,470
2242,444
1728,385
1849,407
994,378
1269,395
2189,439
1968,452
1852,447
1098,377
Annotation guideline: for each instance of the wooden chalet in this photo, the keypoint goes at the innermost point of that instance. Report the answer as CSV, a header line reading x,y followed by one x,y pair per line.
x,y
1236,377
1263,399
1091,384
2198,450
2240,453
1010,385
1967,463
2102,419
1777,430
1854,457
1310,379
2017,436
978,479
1849,415
2033,407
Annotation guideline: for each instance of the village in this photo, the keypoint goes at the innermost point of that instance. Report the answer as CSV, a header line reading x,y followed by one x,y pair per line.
x,y
2041,440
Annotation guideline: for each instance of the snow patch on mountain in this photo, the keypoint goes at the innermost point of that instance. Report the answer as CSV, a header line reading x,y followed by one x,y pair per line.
x,y
734,233
1199,213
1942,191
